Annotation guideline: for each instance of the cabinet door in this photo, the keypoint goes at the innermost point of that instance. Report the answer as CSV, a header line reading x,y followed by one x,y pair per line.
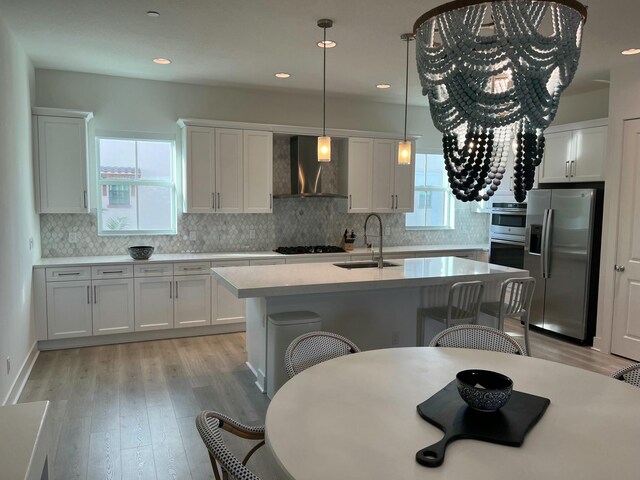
x,y
404,181
590,152
225,307
68,309
384,160
360,175
558,153
153,303
192,300
113,306
199,169
62,165
229,168
258,172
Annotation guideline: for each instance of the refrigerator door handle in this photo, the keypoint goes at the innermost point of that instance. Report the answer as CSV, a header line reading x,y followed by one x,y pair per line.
x,y
543,249
547,242
527,239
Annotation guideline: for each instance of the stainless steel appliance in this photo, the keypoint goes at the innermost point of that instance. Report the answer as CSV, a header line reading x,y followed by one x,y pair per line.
x,y
562,251
507,234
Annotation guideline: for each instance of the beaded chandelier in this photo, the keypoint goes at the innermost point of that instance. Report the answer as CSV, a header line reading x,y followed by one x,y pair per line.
x,y
494,72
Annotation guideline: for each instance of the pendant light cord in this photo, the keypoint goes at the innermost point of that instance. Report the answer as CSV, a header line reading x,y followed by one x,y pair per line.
x,y
406,91
324,82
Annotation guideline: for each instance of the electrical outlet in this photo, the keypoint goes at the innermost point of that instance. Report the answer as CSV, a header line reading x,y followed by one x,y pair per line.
x,y
30,243
8,365
387,231
73,237
395,338
193,235
252,234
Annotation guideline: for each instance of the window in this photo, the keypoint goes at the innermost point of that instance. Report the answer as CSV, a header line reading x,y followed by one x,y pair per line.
x,y
433,205
136,181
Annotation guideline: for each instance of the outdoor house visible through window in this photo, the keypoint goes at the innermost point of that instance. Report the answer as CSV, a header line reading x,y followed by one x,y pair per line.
x,y
136,185
433,202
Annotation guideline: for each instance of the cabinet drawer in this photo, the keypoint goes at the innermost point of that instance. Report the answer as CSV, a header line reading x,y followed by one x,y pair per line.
x,y
64,274
153,270
230,263
268,261
112,271
191,268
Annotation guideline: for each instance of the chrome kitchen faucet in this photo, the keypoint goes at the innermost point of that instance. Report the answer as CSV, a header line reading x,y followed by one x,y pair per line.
x,y
380,261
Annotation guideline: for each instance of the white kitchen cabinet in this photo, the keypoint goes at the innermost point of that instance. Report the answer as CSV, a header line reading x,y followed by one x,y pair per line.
x,y
360,172
225,307
574,153
229,170
113,307
69,309
198,145
192,300
60,160
384,159
258,171
153,303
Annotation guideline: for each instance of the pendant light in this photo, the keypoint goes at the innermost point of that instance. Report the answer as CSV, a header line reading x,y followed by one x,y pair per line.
x,y
404,147
324,142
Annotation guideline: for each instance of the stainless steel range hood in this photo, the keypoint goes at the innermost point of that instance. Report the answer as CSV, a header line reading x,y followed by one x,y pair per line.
x,y
306,171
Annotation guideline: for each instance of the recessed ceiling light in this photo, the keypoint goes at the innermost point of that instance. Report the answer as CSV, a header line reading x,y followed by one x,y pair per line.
x,y
162,61
152,13
383,86
326,44
631,51
283,75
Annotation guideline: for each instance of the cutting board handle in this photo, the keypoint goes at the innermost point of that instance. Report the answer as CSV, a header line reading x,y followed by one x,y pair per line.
x,y
433,455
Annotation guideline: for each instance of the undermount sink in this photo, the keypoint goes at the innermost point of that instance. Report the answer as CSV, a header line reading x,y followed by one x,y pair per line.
x,y
351,265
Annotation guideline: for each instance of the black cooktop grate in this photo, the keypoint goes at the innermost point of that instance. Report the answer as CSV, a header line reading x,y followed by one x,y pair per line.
x,y
300,250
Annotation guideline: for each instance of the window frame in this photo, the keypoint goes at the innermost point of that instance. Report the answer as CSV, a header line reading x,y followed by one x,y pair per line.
x,y
172,183
449,213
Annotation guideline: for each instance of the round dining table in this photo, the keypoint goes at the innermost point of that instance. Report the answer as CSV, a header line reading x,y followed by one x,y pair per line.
x,y
355,417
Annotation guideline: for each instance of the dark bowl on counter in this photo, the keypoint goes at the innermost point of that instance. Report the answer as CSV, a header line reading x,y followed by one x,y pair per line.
x,y
141,252
484,390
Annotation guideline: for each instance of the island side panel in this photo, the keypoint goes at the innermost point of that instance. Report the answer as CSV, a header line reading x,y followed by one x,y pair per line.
x,y
256,338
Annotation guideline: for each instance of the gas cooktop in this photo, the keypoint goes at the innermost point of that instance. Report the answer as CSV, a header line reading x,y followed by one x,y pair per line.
x,y
310,249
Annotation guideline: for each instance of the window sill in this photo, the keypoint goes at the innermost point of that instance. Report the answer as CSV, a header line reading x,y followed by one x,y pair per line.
x,y
134,233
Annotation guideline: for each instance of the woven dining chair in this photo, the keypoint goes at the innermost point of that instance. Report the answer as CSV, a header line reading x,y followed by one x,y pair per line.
x,y
515,302
463,305
312,348
209,424
629,374
478,337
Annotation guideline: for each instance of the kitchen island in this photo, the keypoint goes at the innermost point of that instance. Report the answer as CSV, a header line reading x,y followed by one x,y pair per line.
x,y
376,308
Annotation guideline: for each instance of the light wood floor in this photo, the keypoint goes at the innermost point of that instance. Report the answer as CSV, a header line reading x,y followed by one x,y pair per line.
x,y
127,411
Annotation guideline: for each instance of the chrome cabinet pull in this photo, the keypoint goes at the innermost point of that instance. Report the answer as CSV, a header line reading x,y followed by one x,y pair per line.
x,y
112,271
218,200
170,289
176,289
566,169
88,294
396,202
350,202
147,270
84,198
270,200
392,207
70,274
95,295
186,269
572,169
213,200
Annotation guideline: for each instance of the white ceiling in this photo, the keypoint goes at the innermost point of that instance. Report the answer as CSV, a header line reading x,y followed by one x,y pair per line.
x,y
243,43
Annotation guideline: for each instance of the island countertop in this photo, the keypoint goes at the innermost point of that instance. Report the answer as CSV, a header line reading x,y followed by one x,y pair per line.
x,y
282,280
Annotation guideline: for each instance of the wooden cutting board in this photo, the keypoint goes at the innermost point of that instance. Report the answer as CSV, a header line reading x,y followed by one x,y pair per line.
x,y
508,426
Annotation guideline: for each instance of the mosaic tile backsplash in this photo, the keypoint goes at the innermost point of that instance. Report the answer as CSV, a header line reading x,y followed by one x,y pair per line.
x,y
295,221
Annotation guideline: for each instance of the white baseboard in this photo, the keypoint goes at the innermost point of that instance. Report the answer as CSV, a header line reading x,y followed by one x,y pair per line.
x,y
597,344
21,379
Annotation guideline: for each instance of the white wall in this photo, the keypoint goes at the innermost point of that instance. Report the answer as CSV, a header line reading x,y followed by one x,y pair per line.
x,y
583,106
18,222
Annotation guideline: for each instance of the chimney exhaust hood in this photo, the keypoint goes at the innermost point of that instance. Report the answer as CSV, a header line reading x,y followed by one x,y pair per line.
x,y
306,171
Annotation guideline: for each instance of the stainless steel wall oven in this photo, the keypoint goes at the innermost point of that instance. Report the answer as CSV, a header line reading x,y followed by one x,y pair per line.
x,y
507,234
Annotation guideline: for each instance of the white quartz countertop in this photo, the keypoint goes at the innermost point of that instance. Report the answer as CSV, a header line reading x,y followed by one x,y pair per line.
x,y
313,278
193,257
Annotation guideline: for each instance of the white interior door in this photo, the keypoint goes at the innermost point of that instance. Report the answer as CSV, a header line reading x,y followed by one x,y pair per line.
x,y
626,321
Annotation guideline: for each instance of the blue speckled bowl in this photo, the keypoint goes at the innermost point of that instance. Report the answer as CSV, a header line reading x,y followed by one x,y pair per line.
x,y
484,390
141,252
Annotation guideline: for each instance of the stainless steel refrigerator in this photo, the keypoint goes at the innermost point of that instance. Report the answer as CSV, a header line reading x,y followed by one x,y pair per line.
x,y
562,252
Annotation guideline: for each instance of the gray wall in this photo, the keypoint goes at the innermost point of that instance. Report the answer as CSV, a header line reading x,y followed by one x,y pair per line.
x,y
17,217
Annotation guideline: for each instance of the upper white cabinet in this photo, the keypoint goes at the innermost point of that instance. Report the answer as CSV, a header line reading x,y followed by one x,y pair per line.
x,y
60,160
360,172
258,171
575,153
227,170
376,182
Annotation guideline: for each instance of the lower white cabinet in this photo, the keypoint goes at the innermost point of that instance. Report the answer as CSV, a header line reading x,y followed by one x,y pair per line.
x,y
192,301
69,309
112,306
154,303
225,307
